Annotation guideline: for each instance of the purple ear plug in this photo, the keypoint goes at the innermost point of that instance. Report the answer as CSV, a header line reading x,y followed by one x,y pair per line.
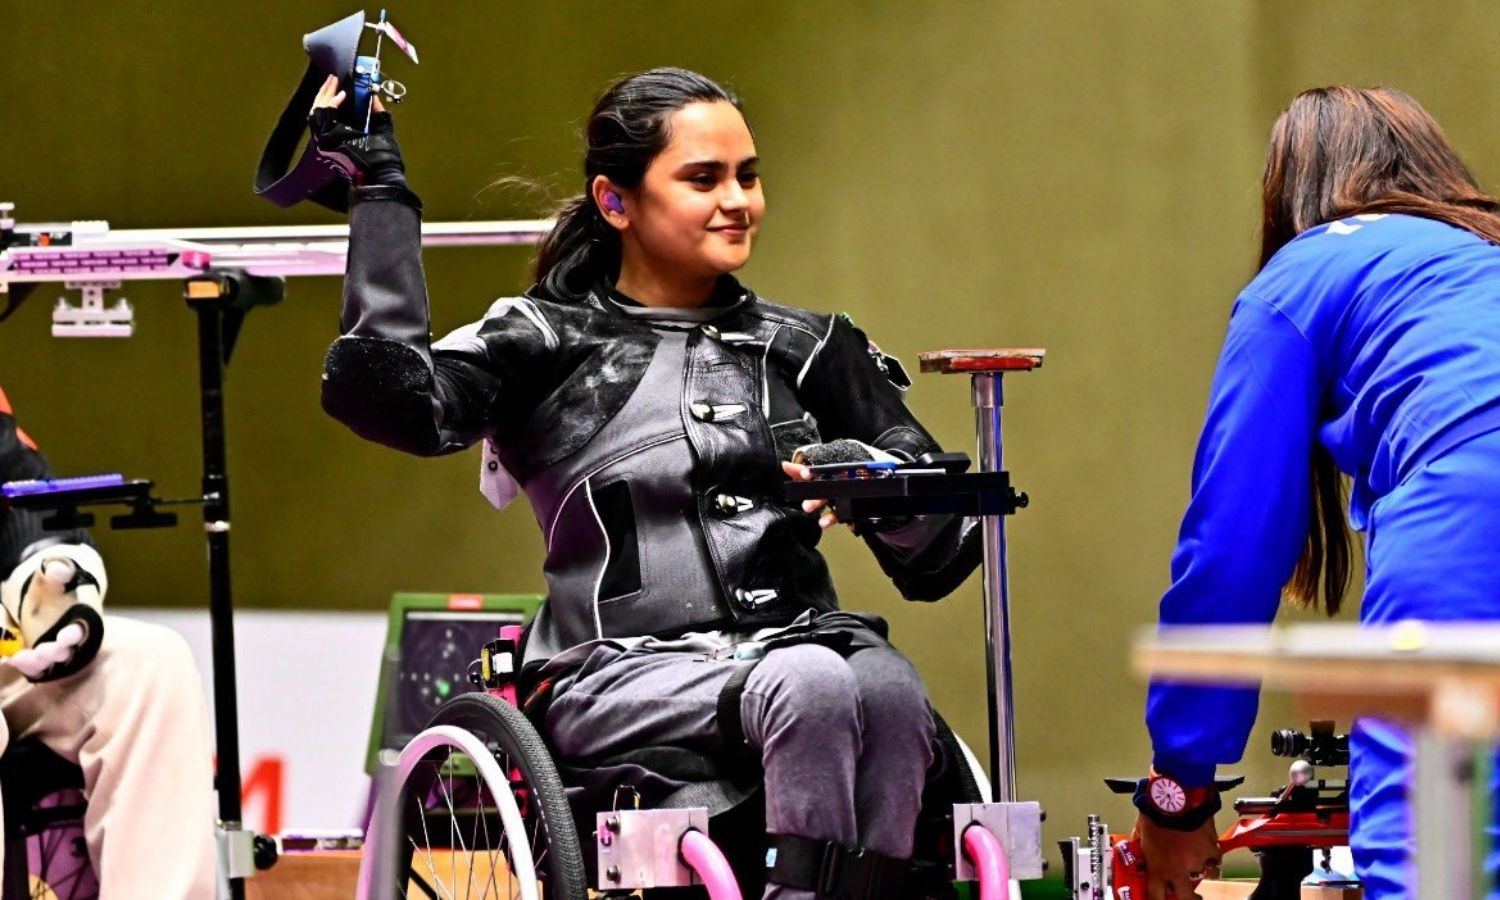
x,y
612,202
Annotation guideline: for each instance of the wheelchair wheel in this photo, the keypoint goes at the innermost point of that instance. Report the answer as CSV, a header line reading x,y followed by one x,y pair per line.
x,y
45,855
481,809
57,860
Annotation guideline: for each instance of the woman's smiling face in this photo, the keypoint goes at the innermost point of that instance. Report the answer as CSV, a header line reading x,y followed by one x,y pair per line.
x,y
700,203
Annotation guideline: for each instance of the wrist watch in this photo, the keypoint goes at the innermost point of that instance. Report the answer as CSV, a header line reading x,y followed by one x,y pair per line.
x,y
1165,801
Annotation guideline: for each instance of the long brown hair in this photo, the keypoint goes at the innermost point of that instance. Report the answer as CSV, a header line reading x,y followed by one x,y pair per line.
x,y
1337,152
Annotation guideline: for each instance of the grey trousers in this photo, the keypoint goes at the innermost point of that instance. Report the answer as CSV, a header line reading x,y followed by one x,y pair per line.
x,y
135,721
845,743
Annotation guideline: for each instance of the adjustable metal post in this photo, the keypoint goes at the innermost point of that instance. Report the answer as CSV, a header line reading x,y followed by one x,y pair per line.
x,y
989,399
986,368
205,301
220,301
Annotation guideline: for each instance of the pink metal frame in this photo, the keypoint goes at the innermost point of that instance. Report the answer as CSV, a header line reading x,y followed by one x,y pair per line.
x,y
704,857
984,849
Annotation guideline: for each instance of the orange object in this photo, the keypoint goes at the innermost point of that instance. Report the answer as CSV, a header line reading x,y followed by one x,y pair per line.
x,y
1296,829
995,360
5,409
204,289
1128,868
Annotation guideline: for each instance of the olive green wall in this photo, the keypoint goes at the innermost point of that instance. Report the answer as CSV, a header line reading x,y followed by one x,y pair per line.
x,y
1075,175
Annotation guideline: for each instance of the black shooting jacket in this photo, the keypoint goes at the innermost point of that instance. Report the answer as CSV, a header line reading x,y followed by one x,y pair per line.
x,y
648,442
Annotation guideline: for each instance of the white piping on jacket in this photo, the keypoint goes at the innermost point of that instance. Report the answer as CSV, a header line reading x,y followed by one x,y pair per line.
x,y
599,580
816,350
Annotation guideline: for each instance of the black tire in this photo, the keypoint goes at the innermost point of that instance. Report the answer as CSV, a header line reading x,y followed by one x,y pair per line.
x,y
523,755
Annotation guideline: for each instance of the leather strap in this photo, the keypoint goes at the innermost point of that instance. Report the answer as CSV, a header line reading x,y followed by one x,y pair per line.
x,y
314,177
831,870
737,752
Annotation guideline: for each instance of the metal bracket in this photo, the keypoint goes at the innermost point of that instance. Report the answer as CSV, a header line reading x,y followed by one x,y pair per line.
x,y
1089,864
236,854
1018,826
91,318
638,848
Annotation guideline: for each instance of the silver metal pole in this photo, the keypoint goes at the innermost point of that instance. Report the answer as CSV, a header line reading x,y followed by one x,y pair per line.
x,y
1443,812
386,855
988,400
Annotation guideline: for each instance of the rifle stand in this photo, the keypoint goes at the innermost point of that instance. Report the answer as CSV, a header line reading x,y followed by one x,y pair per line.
x,y
986,368
1016,825
221,299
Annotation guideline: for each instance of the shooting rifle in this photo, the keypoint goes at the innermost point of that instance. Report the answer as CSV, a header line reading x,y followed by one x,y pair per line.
x,y
91,258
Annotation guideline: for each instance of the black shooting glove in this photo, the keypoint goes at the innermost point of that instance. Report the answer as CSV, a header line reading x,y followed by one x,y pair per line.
x,y
364,159
843,450
848,450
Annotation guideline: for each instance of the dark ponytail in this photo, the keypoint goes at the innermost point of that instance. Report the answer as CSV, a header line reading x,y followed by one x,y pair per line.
x,y
626,131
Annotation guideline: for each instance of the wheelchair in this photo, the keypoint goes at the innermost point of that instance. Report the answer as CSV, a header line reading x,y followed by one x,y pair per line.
x,y
45,854
477,801
482,804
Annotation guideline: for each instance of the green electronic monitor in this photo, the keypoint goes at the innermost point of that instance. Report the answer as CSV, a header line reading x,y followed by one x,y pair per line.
x,y
430,640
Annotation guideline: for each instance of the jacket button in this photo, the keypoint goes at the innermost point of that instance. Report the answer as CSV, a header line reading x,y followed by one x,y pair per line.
x,y
752,600
710,412
729,504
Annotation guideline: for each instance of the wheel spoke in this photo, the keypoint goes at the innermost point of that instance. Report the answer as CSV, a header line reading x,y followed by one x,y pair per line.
x,y
452,859
455,831
413,876
422,815
538,845
50,842
436,881
488,851
493,847
474,840
496,736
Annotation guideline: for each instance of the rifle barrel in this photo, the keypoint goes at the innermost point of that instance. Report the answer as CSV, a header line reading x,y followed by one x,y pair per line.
x,y
89,252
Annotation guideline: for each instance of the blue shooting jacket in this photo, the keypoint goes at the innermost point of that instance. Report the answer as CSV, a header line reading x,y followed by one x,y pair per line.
x,y
1377,337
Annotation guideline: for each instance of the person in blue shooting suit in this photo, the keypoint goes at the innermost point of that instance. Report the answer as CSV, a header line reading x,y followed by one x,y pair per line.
x,y
1367,346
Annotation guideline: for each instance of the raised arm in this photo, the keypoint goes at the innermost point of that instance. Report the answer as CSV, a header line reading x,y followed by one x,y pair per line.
x,y
383,377
850,390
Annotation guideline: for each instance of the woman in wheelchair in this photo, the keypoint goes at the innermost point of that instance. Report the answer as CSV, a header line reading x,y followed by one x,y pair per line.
x,y
652,407
116,697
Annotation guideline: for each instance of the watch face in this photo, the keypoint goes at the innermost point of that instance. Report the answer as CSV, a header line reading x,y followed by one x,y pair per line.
x,y
1168,796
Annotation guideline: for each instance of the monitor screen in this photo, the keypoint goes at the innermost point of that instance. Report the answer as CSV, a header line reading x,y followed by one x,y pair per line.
x,y
437,646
